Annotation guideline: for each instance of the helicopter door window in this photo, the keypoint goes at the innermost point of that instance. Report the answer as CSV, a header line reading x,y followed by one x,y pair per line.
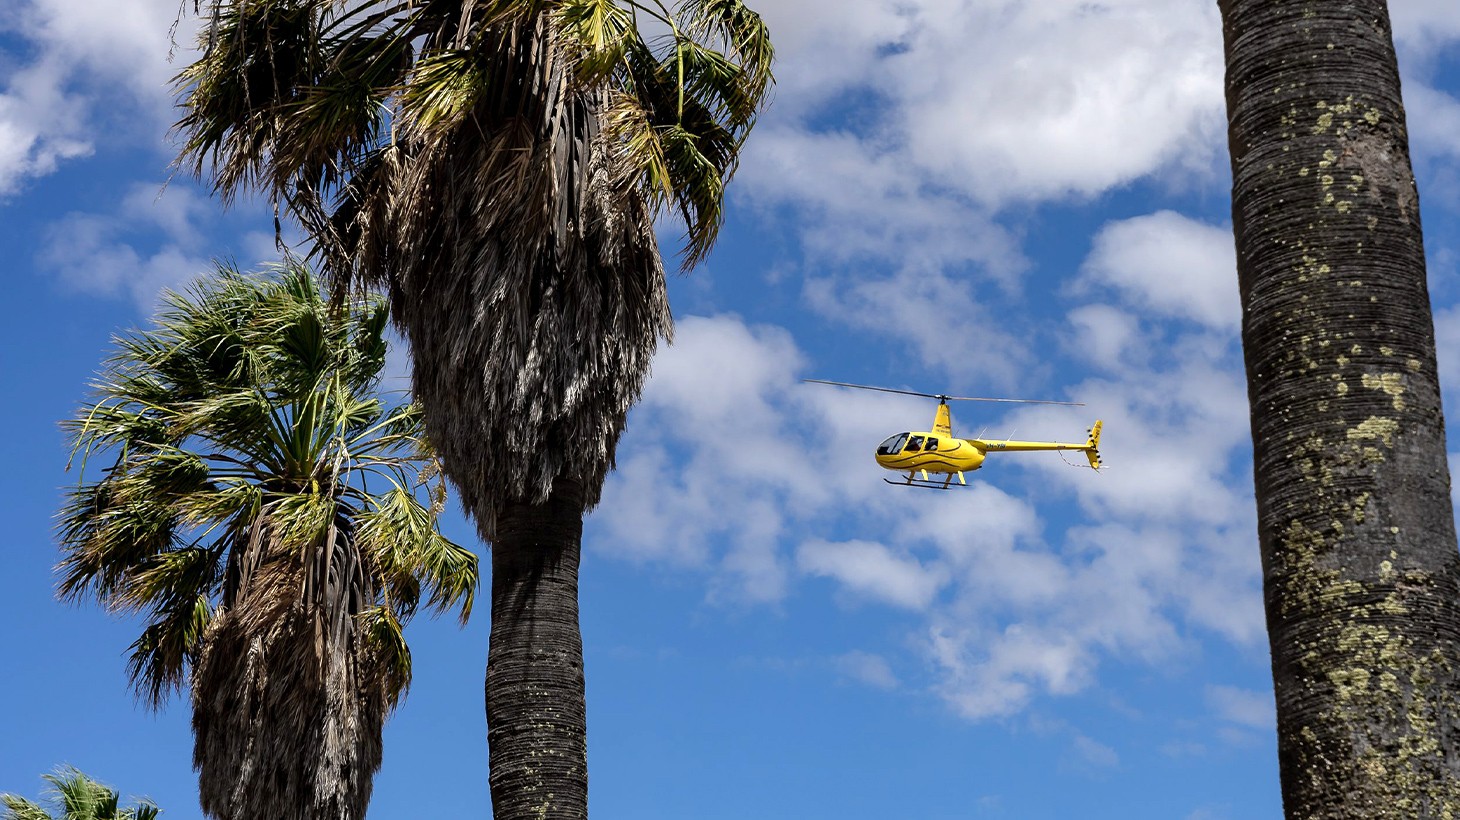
x,y
915,444
892,446
932,444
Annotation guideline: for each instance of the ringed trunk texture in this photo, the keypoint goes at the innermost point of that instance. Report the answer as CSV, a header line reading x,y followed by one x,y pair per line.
x,y
536,716
1361,571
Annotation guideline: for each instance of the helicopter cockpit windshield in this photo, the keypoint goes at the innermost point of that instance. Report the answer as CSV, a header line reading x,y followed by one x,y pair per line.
x,y
892,446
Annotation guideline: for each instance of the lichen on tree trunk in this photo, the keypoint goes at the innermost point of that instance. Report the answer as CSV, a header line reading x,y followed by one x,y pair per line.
x,y
1361,571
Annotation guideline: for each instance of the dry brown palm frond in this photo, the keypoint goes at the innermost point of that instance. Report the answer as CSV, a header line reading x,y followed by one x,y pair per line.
x,y
268,705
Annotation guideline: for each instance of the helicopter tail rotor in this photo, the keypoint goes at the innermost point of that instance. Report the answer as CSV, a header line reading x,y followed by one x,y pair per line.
x,y
1092,446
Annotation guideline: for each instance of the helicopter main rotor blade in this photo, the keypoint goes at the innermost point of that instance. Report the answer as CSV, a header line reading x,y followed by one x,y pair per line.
x,y
940,396
1015,401
870,387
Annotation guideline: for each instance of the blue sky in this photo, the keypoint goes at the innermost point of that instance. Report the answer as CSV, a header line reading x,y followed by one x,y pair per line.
x,y
980,197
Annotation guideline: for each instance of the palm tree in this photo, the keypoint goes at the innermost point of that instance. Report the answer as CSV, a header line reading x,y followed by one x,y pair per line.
x,y
1361,570
79,798
496,166
263,509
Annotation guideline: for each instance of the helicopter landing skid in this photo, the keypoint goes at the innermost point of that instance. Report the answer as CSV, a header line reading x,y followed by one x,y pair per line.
x,y
924,484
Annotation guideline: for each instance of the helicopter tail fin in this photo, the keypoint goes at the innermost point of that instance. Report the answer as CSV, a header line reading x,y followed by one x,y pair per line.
x,y
1092,446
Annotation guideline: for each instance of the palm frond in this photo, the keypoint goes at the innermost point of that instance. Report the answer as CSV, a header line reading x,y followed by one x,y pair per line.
x,y
106,536
600,32
443,87
79,798
732,26
168,647
385,636
401,535
509,155
18,808
257,56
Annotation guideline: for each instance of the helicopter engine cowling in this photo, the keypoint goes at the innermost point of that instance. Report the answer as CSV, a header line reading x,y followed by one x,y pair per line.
x,y
975,458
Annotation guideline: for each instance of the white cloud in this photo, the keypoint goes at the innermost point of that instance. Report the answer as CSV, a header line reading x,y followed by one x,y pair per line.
x,y
938,317
753,568
1171,265
1447,344
39,127
1170,435
866,668
993,674
1107,336
1425,25
957,109
719,375
825,48
1244,707
863,201
1433,118
873,571
710,427
1453,459
129,45
1093,753
86,252
94,78
154,239
1034,100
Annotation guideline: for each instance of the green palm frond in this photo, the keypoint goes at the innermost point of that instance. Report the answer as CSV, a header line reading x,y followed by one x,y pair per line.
x,y
168,646
670,130
77,797
299,97
258,57
601,30
385,635
735,28
235,498
188,573
399,532
241,433
443,88
18,808
106,536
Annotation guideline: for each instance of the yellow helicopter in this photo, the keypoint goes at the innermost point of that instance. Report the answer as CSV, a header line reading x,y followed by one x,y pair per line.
x,y
920,453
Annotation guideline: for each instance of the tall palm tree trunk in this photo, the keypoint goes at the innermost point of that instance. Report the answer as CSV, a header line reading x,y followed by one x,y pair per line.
x,y
536,718
1361,572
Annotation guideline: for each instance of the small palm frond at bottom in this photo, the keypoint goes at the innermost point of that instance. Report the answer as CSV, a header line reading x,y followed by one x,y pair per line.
x,y
77,797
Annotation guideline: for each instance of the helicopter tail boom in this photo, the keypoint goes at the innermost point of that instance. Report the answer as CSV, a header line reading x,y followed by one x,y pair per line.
x,y
1091,446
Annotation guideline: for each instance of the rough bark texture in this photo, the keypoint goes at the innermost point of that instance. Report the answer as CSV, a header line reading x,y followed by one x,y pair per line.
x,y
1353,495
536,719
